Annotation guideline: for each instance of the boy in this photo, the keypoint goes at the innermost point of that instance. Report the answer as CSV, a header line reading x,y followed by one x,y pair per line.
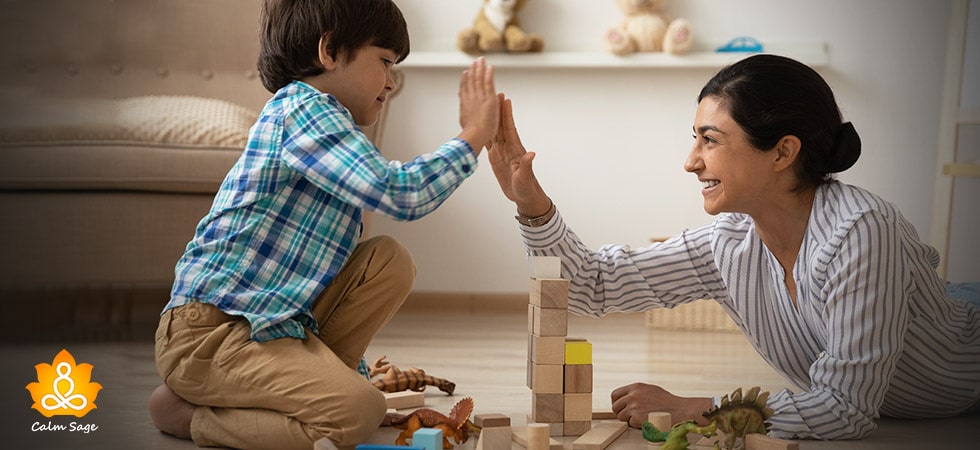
x,y
275,300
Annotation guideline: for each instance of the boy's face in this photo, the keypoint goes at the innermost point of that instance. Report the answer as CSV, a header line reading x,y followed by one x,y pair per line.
x,y
361,85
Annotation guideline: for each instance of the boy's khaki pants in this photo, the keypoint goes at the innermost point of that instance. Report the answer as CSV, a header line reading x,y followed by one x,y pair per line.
x,y
287,393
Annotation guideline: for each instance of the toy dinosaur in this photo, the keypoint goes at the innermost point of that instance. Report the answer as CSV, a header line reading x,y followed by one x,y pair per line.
x,y
393,379
741,415
676,438
457,425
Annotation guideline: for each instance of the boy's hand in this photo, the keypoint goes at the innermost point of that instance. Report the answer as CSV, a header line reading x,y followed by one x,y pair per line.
x,y
511,164
479,108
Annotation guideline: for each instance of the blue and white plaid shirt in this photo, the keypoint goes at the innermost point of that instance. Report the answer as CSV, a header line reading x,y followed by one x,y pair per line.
x,y
288,214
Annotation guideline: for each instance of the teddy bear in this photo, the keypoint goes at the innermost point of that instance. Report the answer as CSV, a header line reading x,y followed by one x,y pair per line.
x,y
648,29
496,29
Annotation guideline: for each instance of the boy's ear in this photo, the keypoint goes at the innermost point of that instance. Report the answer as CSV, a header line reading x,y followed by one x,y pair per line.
x,y
324,53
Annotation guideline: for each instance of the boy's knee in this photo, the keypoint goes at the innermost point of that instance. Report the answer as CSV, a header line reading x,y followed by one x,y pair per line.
x,y
393,257
363,411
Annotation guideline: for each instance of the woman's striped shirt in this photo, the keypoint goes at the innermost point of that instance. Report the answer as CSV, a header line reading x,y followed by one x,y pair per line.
x,y
874,332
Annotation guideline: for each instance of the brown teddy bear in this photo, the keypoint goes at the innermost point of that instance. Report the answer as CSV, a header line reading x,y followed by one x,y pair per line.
x,y
496,29
647,29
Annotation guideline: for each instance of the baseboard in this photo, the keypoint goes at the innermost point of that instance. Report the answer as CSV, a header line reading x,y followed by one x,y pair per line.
x,y
466,302
80,313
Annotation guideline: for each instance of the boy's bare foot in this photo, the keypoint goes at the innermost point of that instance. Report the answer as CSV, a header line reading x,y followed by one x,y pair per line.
x,y
170,413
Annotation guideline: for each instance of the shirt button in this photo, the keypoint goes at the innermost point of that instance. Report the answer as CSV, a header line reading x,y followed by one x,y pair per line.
x,y
466,168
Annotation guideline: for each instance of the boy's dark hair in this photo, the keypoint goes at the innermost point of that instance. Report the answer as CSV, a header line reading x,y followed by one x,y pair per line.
x,y
291,32
772,96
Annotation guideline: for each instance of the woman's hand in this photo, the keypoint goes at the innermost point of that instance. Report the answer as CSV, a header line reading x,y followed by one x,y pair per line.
x,y
511,164
633,403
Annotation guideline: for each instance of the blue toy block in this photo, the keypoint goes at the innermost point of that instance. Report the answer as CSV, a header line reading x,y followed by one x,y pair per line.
x,y
428,438
386,447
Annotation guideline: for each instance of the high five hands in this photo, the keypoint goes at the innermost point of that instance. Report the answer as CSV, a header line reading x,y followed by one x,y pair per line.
x,y
512,165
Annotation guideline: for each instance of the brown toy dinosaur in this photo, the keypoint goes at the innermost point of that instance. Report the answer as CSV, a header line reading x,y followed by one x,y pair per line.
x,y
741,415
457,425
393,379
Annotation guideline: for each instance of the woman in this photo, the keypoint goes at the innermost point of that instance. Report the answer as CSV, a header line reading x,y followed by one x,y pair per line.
x,y
828,281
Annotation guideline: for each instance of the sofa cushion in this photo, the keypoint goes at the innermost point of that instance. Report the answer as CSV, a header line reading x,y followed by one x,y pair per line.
x,y
147,143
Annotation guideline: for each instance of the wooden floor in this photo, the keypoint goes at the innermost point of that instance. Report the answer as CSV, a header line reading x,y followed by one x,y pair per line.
x,y
484,354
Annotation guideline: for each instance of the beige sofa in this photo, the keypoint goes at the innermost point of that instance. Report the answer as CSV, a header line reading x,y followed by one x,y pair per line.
x,y
118,121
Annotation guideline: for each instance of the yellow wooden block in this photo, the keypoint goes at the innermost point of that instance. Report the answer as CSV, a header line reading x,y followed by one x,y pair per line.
x,y
578,351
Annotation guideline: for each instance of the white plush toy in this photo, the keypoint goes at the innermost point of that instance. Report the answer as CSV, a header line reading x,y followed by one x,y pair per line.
x,y
648,29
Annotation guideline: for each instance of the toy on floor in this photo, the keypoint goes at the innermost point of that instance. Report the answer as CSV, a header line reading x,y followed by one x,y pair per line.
x,y
393,379
457,425
739,416
676,437
496,29
647,28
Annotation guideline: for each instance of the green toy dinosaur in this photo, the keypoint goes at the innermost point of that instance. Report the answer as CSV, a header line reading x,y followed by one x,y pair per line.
x,y
676,438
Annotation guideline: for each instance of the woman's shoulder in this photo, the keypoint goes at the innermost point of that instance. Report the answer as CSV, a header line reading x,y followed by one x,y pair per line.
x,y
845,202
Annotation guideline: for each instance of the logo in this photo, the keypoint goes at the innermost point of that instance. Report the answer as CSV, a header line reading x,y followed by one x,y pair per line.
x,y
64,388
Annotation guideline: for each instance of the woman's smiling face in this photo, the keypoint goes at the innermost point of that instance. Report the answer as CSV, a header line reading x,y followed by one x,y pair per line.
x,y
735,176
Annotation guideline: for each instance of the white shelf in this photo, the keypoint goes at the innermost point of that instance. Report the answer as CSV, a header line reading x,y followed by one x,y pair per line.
x,y
962,169
813,54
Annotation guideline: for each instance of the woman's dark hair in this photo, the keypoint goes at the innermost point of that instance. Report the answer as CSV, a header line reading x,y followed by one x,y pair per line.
x,y
291,32
771,97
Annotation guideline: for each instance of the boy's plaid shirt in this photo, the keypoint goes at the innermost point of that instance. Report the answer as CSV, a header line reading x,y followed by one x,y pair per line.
x,y
288,214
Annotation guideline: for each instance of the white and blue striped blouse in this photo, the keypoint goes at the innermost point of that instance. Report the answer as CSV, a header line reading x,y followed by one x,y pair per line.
x,y
874,332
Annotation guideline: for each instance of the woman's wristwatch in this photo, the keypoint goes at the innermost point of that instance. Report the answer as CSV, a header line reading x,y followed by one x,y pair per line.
x,y
537,221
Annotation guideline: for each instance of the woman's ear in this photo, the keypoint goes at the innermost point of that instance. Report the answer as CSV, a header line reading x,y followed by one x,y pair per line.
x,y
324,53
786,151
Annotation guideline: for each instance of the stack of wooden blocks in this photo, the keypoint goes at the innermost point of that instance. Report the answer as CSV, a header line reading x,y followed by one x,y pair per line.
x,y
559,368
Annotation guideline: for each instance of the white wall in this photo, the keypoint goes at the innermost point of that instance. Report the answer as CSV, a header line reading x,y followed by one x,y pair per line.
x,y
611,142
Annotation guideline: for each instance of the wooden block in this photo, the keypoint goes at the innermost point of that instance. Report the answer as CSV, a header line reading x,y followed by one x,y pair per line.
x,y
545,266
549,322
492,421
519,435
600,436
380,447
538,436
661,420
495,438
578,407
405,399
547,378
577,428
549,293
604,415
530,318
708,442
756,441
547,408
578,378
546,349
578,351
427,438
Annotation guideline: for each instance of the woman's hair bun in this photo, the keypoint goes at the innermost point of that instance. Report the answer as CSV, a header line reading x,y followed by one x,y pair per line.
x,y
847,149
